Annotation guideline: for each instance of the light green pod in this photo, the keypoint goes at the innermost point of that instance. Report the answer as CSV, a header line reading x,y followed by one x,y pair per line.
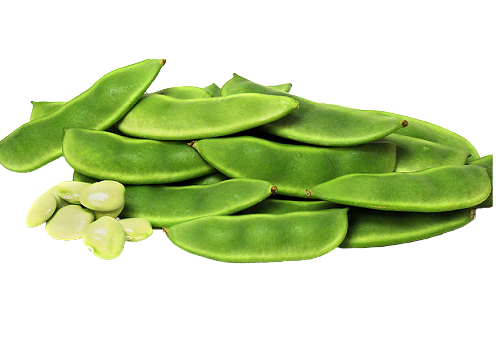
x,y
103,196
41,109
131,161
282,87
318,123
214,89
160,117
164,206
377,228
283,206
136,230
70,191
416,154
185,92
432,190
69,222
487,163
262,237
41,210
83,178
427,131
293,168
40,141
105,238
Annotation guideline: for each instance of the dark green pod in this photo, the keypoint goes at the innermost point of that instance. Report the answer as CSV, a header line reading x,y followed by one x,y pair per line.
x,y
487,163
213,89
283,206
83,178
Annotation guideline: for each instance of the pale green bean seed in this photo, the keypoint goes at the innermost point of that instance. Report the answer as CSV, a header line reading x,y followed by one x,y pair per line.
x,y
41,210
69,222
70,191
103,196
105,238
60,202
137,229
113,214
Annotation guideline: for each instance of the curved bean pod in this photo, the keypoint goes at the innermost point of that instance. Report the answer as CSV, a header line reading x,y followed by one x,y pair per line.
x,y
103,155
427,131
185,92
41,109
213,89
432,190
318,123
165,118
262,237
282,87
376,228
416,154
487,163
293,168
163,206
39,142
283,206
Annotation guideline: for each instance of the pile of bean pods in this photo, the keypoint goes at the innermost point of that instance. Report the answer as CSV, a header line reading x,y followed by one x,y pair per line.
x,y
201,163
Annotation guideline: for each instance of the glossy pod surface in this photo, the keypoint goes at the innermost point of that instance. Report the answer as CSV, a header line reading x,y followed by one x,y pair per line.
x,y
283,206
487,163
41,210
69,222
262,237
432,190
317,123
164,206
103,155
431,132
41,109
293,168
416,154
165,118
39,142
377,228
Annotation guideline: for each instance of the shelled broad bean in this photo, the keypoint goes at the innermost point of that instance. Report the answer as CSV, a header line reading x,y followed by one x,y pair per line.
x,y
202,163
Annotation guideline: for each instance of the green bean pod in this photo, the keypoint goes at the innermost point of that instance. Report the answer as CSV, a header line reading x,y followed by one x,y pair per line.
x,y
161,117
293,168
262,237
282,87
103,155
284,206
213,89
427,131
487,163
83,178
416,154
39,142
165,205
432,190
377,228
185,92
41,109
318,123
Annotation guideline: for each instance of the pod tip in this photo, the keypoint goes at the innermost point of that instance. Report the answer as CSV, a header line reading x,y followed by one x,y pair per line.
x,y
163,61
404,123
309,193
192,144
274,190
165,230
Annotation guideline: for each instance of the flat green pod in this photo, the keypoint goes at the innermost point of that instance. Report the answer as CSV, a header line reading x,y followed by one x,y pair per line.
x,y
185,92
104,155
214,89
161,117
427,131
432,190
39,142
209,179
319,123
282,87
293,168
377,228
262,237
487,163
164,205
41,109
415,154
283,206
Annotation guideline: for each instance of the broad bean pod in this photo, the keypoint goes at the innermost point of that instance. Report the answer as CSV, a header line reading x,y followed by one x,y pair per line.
x,y
262,237
39,142
293,168
104,155
433,190
318,123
